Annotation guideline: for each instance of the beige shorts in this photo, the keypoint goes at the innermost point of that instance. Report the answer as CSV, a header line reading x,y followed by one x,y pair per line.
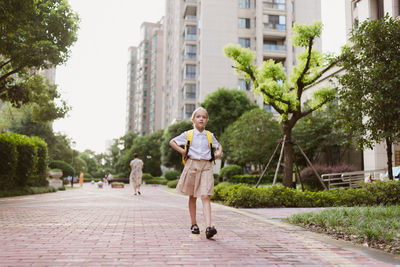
x,y
197,179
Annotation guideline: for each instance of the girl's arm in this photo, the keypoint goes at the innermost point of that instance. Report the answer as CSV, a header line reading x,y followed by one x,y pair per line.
x,y
175,146
218,152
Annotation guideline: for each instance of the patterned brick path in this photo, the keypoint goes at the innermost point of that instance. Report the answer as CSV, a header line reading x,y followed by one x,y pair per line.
x,y
103,227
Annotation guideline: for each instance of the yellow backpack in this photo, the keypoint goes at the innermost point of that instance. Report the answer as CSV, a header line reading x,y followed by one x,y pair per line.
x,y
189,139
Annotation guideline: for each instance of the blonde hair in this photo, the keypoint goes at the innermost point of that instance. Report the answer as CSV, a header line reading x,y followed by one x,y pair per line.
x,y
197,110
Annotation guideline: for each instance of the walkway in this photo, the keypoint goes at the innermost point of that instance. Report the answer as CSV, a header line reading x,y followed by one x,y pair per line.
x,y
103,227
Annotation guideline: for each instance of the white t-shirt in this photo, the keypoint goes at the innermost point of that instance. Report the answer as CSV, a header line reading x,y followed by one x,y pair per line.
x,y
199,149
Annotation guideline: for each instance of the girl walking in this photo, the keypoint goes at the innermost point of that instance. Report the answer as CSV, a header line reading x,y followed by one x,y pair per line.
x,y
197,179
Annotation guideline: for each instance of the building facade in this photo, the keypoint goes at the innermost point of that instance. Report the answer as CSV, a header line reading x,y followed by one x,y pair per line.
x,y
196,31
374,9
145,81
131,86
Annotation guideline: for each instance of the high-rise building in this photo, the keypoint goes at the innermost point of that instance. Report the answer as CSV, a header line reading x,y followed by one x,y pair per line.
x,y
196,31
131,86
361,10
145,81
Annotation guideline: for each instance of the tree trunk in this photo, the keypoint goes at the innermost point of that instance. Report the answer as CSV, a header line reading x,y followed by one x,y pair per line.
x,y
389,157
288,155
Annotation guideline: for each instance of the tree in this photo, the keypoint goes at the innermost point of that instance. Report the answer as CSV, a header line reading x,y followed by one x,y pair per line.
x,y
261,132
285,94
148,148
93,165
224,106
34,35
170,158
319,136
370,87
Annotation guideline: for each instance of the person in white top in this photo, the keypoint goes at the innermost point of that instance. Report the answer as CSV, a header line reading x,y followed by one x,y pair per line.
x,y
197,179
135,177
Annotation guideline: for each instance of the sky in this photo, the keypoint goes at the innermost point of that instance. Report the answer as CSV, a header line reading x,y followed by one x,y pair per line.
x,y
94,79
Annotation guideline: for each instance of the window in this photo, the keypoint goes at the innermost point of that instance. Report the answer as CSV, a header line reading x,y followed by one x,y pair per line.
x,y
244,23
190,52
188,110
190,32
244,42
145,93
243,85
274,22
244,3
146,61
145,77
189,91
273,45
269,108
189,72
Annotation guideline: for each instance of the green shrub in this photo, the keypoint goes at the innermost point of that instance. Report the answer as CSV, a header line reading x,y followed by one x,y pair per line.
x,y
8,162
39,174
66,168
87,175
229,171
173,183
27,158
146,176
243,195
172,175
157,180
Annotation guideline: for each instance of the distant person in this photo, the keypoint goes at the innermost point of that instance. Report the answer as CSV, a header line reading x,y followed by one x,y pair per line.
x,y
109,178
197,179
136,173
72,181
81,179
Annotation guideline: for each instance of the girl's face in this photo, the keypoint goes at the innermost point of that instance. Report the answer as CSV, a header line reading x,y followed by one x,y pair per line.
x,y
200,120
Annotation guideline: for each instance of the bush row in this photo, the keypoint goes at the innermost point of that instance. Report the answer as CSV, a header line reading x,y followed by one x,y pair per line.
x,y
23,161
245,196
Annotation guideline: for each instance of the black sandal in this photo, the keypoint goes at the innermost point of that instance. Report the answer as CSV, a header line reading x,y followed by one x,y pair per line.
x,y
195,229
210,232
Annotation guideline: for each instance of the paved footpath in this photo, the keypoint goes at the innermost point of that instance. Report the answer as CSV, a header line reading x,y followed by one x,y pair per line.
x,y
104,227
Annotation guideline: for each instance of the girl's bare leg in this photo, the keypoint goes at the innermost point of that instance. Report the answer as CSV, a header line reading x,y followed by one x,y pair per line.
x,y
192,209
206,209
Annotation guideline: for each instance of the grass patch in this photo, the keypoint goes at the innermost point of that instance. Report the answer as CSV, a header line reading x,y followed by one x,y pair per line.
x,y
27,191
377,226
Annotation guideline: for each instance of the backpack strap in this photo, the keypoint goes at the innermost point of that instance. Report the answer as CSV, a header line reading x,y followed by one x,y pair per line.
x,y
189,139
209,137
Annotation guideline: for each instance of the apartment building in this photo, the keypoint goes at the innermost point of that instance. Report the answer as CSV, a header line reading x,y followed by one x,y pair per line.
x,y
144,93
374,9
196,31
131,86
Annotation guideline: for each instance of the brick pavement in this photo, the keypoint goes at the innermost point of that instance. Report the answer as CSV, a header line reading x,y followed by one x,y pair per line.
x,y
103,227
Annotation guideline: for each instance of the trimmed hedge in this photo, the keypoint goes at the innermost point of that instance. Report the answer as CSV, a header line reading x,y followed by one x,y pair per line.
x,y
8,162
268,178
172,175
39,173
245,196
230,170
157,180
173,183
146,177
23,161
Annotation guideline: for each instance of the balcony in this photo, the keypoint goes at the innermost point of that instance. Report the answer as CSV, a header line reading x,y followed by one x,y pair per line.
x,y
190,8
274,47
273,5
274,51
272,26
